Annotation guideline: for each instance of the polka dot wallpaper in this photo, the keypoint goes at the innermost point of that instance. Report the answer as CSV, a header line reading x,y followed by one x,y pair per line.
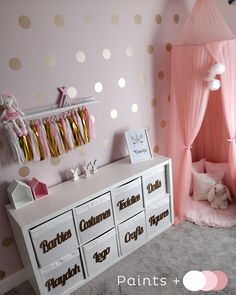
x,y
117,51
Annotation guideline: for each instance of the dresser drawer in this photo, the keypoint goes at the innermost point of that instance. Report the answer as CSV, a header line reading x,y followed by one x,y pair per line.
x,y
54,238
132,233
158,216
94,218
127,200
154,184
101,252
63,273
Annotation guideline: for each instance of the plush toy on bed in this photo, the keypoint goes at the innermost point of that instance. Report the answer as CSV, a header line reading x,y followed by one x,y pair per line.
x,y
219,196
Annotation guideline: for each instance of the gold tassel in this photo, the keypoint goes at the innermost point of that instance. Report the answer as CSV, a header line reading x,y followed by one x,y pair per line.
x,y
83,120
75,130
26,148
40,145
51,141
62,133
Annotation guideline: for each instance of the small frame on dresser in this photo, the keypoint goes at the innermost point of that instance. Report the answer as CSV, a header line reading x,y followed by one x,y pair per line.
x,y
138,145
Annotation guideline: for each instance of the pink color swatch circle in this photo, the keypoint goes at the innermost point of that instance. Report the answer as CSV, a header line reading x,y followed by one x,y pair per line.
x,y
211,280
222,280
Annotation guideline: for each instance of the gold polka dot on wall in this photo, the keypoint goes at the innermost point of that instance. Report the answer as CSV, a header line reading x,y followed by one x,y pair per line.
x,y
1,145
89,19
158,19
161,75
59,21
163,124
41,98
168,47
82,151
176,18
24,21
51,60
150,49
156,149
2,274
24,171
55,161
138,19
115,19
8,241
15,64
154,103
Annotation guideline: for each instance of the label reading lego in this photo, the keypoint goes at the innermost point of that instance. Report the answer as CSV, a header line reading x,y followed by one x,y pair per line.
x,y
134,235
100,257
122,204
86,224
59,239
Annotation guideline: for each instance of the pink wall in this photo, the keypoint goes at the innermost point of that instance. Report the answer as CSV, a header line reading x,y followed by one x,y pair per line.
x,y
44,39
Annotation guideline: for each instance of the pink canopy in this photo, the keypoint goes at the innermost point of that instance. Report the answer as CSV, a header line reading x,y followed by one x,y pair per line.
x,y
204,41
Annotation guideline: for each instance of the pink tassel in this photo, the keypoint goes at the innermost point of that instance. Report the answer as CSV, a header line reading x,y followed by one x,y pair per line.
x,y
33,143
56,137
89,123
70,134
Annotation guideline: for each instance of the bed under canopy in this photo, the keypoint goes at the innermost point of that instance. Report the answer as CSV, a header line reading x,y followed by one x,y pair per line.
x,y
202,122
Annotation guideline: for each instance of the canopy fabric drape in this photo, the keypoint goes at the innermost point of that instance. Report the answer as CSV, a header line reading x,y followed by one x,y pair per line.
x,y
190,96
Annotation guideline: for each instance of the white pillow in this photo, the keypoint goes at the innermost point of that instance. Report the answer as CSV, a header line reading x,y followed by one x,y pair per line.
x,y
202,182
196,167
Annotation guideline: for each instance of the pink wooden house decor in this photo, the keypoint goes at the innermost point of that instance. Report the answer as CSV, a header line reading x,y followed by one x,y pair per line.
x,y
39,189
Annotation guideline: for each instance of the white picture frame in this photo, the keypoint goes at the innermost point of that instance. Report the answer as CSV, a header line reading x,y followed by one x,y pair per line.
x,y
138,145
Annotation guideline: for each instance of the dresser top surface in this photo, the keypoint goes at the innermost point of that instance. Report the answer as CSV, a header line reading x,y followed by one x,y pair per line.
x,y
69,194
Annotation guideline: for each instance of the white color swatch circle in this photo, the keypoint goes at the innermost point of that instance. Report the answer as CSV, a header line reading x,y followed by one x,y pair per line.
x,y
98,87
114,114
121,82
72,92
134,108
194,280
106,53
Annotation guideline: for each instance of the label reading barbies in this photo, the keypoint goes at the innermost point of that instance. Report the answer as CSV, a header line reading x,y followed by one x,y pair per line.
x,y
122,204
151,187
85,224
61,280
100,257
153,220
134,235
60,238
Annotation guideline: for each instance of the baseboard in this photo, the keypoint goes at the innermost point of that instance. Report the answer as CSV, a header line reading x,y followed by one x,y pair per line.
x,y
12,281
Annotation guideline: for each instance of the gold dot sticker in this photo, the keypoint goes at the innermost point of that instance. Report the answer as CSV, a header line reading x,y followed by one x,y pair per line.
x,y
55,161
106,143
163,124
106,53
80,57
156,149
1,145
154,103
150,49
24,171
115,19
176,18
41,98
142,79
158,19
2,274
24,21
59,21
89,19
8,241
138,19
168,47
51,60
129,51
161,75
82,151
15,64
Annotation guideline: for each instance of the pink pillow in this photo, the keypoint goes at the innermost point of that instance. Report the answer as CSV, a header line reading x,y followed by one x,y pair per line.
x,y
196,167
202,182
218,167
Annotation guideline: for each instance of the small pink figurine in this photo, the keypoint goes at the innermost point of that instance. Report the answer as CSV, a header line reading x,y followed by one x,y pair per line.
x,y
11,113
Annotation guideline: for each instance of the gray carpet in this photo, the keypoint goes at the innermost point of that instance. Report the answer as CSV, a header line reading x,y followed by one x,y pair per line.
x,y
173,253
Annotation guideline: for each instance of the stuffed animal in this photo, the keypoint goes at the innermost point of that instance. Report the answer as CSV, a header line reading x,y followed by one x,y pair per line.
x,y
219,196
11,113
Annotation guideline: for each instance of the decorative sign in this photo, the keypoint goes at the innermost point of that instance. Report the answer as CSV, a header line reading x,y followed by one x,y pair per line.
x,y
138,145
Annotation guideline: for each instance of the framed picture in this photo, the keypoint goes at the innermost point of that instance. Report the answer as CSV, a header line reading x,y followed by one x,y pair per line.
x,y
138,145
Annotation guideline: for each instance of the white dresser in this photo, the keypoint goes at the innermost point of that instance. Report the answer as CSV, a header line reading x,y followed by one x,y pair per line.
x,y
84,227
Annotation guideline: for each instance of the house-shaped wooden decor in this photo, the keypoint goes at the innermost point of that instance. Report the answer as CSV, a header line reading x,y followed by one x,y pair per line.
x,y
39,189
19,193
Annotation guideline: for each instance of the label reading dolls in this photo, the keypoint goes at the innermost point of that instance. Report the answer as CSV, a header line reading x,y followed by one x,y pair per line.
x,y
61,280
151,187
86,224
59,239
100,257
134,235
122,204
154,220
